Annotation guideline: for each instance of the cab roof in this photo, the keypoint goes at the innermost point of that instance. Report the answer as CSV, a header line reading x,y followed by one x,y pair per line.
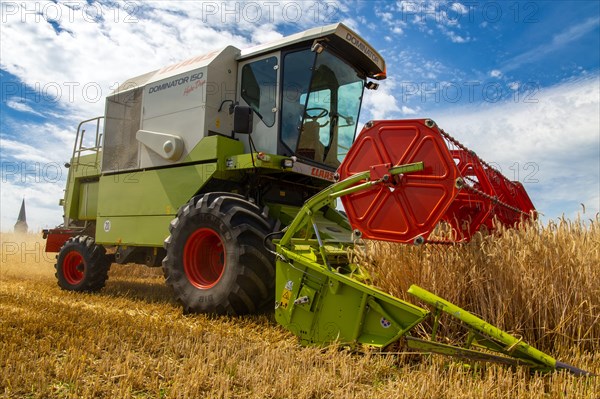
x,y
341,38
353,47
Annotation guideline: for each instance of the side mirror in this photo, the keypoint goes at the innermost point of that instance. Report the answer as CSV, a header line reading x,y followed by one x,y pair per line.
x,y
242,119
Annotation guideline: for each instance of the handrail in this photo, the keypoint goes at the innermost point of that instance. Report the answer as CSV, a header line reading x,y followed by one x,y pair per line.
x,y
78,147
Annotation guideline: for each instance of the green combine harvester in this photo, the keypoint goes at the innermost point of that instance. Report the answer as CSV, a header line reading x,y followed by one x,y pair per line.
x,y
225,170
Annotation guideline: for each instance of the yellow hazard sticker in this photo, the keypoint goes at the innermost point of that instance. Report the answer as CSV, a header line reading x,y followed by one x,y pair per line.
x,y
285,298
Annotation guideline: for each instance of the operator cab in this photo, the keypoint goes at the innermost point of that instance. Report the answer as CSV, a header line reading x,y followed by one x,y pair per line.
x,y
306,91
321,100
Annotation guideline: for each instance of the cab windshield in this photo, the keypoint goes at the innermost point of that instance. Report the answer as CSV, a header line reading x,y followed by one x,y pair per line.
x,y
321,101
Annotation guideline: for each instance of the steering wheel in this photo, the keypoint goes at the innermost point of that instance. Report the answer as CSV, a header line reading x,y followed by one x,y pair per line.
x,y
322,113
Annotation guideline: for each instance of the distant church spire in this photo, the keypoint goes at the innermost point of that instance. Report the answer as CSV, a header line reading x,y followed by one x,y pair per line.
x,y
21,225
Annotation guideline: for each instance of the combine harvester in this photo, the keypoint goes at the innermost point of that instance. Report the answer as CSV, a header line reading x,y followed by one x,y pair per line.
x,y
196,166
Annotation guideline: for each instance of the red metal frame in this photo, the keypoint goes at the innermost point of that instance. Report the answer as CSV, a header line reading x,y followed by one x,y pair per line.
x,y
56,238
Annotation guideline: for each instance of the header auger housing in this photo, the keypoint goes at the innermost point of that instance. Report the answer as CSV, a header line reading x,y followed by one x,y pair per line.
x,y
196,165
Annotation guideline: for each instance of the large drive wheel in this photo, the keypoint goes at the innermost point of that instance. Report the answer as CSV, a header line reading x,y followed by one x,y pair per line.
x,y
216,261
82,265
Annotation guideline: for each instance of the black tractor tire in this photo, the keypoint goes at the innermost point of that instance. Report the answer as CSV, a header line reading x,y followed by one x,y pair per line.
x,y
216,261
82,265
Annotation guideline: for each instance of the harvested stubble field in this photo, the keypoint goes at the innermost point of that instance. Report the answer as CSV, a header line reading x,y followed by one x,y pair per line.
x,y
131,339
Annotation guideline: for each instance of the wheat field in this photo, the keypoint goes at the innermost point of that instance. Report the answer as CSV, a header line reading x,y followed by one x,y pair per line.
x,y
131,340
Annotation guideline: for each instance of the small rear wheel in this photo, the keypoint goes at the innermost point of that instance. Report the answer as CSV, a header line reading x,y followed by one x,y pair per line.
x,y
216,261
82,265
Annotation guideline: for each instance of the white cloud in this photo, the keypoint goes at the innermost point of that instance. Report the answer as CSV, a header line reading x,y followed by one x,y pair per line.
x,y
455,37
558,41
407,6
386,16
381,103
514,86
24,152
495,73
551,144
83,66
45,142
444,16
418,68
459,8
21,106
409,111
575,32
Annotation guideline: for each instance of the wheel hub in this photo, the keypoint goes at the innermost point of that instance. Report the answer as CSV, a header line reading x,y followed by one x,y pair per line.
x,y
204,258
74,267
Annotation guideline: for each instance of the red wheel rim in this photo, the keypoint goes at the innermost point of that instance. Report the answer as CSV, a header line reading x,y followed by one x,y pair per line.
x,y
204,258
73,267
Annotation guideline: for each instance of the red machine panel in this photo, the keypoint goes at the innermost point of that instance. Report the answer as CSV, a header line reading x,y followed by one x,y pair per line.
x,y
456,186
56,238
407,206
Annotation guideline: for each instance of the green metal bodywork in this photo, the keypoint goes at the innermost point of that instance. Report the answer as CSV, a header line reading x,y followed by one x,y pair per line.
x,y
321,305
321,296
88,200
135,207
81,194
482,335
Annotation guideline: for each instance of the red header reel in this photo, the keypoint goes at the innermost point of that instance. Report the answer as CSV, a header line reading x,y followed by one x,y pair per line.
x,y
456,186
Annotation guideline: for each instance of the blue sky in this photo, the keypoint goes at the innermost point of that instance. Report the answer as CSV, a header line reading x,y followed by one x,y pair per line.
x,y
518,82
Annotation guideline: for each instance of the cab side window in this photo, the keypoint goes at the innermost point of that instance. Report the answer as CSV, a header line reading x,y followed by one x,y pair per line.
x,y
259,84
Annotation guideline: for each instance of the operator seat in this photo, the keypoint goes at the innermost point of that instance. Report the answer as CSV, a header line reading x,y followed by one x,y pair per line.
x,y
309,145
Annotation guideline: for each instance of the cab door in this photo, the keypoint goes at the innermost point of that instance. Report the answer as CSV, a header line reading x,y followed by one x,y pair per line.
x,y
258,88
